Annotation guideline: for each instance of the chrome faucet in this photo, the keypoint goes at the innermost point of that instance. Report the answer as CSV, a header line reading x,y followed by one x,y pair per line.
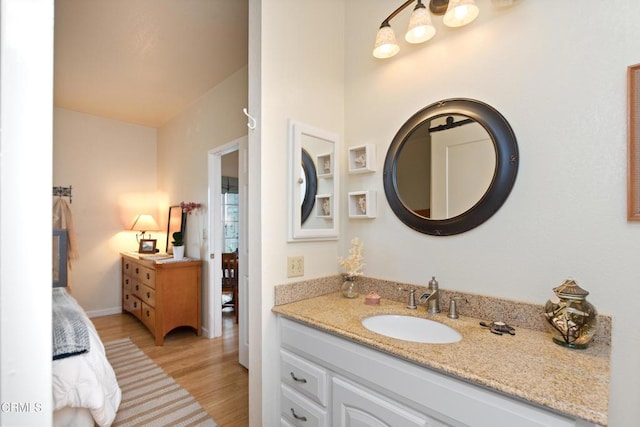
x,y
432,298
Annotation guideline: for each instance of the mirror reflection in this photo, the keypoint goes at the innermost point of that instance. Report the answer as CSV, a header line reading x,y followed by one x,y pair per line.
x,y
314,183
445,166
308,185
321,151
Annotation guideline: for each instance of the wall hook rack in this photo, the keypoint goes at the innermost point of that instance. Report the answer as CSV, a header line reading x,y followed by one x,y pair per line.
x,y
63,192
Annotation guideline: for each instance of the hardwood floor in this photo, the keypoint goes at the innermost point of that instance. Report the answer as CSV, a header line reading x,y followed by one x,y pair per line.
x,y
208,369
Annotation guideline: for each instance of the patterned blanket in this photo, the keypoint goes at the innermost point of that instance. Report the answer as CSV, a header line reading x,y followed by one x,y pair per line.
x,y
70,335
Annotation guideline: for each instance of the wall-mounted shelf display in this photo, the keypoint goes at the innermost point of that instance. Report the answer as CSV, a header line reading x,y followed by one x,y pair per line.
x,y
362,204
325,165
362,159
324,206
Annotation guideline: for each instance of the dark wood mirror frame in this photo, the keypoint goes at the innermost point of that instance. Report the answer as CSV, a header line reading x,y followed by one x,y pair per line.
x,y
633,153
506,169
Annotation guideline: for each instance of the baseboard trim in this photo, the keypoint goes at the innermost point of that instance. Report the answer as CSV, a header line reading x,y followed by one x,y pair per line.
x,y
104,312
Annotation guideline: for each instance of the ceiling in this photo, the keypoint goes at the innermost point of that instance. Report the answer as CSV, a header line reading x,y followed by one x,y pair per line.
x,y
144,61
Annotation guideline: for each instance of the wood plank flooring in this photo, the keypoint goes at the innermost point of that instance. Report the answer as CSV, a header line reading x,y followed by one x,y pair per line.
x,y
208,369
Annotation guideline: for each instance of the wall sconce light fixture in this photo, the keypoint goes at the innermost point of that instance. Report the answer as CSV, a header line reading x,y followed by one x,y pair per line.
x,y
144,223
455,13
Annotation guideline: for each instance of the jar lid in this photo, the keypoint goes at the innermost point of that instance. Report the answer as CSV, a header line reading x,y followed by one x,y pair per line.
x,y
570,289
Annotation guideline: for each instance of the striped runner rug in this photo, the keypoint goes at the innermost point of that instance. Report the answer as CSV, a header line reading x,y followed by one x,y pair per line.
x,y
150,397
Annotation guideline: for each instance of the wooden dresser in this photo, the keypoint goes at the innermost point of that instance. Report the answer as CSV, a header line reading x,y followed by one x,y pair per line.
x,y
162,295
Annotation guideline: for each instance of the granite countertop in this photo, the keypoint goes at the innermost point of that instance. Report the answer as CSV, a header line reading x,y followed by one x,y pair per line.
x,y
528,365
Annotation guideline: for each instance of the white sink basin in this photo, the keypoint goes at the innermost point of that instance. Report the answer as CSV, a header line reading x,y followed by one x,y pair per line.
x,y
409,328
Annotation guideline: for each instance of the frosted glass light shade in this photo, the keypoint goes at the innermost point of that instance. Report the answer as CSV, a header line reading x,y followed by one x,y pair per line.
x,y
460,12
420,27
386,45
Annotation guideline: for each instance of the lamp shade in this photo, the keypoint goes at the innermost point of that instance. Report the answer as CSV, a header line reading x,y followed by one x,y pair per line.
x,y
386,45
460,12
144,222
420,27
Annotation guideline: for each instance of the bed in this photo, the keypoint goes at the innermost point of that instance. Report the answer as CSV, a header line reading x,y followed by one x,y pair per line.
x,y
85,389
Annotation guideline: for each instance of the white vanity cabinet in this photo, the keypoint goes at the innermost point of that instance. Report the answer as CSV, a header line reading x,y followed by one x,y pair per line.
x,y
332,381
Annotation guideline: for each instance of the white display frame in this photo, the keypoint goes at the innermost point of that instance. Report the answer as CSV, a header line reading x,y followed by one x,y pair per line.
x,y
362,204
362,159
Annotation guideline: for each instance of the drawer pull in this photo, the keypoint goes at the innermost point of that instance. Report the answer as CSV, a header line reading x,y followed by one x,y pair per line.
x,y
300,380
148,276
126,297
135,304
148,294
137,271
148,314
296,416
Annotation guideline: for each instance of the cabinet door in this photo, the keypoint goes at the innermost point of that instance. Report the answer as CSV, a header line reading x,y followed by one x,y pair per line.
x,y
356,406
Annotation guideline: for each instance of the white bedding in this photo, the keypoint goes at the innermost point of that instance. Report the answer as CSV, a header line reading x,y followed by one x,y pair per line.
x,y
87,381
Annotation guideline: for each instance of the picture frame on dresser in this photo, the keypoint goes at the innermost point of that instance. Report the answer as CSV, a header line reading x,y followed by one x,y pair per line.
x,y
633,125
147,246
177,221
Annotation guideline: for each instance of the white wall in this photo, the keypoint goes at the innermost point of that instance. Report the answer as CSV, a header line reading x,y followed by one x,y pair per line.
x,y
103,160
302,68
26,96
559,77
214,119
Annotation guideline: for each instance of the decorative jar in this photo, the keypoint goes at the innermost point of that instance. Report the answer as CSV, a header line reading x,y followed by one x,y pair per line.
x,y
349,287
572,319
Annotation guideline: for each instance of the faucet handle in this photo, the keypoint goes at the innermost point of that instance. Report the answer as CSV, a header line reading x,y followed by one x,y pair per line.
x,y
453,307
411,304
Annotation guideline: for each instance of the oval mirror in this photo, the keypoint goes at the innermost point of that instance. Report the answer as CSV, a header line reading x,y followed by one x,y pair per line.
x,y
450,167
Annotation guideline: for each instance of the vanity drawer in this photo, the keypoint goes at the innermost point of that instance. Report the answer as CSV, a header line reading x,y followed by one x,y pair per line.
x,y
304,376
300,411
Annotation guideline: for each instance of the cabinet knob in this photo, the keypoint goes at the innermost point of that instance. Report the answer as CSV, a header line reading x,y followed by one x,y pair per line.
x,y
135,304
126,297
148,314
137,270
298,417
148,276
300,380
148,294
137,287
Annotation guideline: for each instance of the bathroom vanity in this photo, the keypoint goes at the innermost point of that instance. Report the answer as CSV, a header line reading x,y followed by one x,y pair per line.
x,y
334,372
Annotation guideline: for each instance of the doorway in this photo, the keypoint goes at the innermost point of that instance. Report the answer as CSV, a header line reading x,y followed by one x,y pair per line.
x,y
227,231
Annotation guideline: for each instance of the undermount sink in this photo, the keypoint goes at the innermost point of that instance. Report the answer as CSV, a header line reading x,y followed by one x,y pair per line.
x,y
409,328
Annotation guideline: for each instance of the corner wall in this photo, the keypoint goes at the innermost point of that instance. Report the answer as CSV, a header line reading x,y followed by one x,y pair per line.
x,y
102,159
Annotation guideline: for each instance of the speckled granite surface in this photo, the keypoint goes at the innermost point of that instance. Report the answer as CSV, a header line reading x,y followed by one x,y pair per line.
x,y
528,365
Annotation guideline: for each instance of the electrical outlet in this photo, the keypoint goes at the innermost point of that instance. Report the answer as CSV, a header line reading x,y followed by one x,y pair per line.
x,y
295,266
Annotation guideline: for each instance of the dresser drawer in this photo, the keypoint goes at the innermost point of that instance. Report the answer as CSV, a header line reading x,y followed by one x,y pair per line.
x,y
148,317
127,282
304,376
147,294
300,411
146,275
132,304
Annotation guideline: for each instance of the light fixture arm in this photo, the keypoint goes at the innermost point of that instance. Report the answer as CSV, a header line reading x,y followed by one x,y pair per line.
x,y
393,14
